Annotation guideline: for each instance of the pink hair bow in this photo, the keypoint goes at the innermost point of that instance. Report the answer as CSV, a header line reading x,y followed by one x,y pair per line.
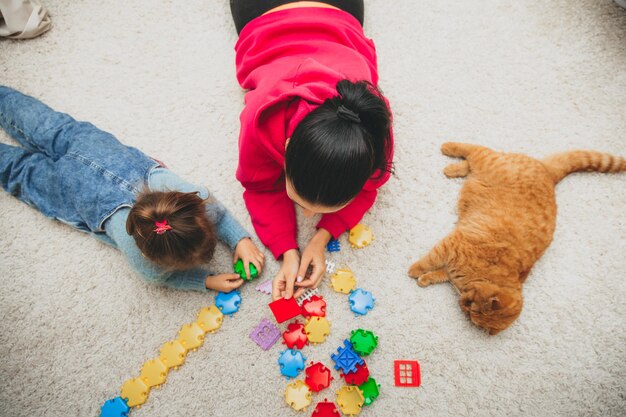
x,y
162,227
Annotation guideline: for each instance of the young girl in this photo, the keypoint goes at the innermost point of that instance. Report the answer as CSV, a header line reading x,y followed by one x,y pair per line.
x,y
73,172
315,130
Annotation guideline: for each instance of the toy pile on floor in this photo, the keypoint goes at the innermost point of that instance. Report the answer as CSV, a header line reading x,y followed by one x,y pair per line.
x,y
360,390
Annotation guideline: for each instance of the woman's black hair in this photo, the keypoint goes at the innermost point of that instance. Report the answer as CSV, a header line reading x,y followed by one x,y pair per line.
x,y
337,147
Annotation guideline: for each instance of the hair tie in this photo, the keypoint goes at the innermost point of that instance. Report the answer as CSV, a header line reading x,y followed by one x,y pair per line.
x,y
345,113
162,227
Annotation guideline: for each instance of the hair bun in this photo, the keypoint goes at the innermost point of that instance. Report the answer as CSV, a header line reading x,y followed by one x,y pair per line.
x,y
346,114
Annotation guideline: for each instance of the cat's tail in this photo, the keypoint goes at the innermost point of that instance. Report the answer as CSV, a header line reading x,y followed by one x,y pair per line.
x,y
562,164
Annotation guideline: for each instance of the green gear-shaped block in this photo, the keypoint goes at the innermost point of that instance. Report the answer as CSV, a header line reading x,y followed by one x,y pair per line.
x,y
242,272
370,391
363,341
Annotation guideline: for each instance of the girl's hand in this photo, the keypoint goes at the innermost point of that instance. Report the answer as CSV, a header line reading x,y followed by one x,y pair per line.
x,y
284,281
313,260
223,282
247,251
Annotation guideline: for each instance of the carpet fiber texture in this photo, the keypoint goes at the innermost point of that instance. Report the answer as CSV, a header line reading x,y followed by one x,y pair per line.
x,y
530,76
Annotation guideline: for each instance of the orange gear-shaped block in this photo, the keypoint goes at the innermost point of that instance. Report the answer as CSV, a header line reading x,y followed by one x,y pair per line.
x,y
316,329
153,373
210,319
135,391
173,354
350,400
360,236
343,280
298,395
191,336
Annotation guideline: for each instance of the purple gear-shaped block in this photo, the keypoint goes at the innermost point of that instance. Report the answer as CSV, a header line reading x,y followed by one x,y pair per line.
x,y
333,246
265,334
291,363
265,287
114,408
228,302
346,358
361,301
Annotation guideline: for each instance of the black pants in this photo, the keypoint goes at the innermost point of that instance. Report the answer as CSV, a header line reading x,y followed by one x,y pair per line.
x,y
244,11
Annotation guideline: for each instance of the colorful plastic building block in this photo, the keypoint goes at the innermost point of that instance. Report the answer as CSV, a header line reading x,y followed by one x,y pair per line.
x,y
115,407
343,281
325,409
318,377
265,287
360,236
350,400
363,341
285,309
173,354
210,319
191,336
370,391
361,301
333,246
358,377
265,334
291,363
330,266
153,373
314,306
307,295
298,395
317,328
295,336
407,373
135,392
228,302
346,359
240,270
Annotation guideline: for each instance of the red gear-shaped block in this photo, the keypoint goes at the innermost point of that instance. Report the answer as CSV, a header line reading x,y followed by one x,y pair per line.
x,y
318,376
316,306
359,377
295,336
325,409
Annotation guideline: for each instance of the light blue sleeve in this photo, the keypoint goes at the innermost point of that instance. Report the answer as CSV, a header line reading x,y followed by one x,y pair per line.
x,y
228,229
192,279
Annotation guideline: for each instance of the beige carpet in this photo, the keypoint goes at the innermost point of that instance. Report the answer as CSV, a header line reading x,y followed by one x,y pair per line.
x,y
527,76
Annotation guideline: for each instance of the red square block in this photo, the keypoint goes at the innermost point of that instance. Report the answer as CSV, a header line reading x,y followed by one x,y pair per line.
x,y
285,309
407,373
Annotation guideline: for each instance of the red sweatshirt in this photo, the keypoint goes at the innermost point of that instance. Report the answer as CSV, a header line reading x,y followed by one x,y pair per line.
x,y
291,61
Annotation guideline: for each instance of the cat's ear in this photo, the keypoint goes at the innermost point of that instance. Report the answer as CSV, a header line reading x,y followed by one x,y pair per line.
x,y
494,303
494,332
467,299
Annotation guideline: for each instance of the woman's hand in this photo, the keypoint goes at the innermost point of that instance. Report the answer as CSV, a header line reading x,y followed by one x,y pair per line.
x,y
284,281
223,282
247,251
313,263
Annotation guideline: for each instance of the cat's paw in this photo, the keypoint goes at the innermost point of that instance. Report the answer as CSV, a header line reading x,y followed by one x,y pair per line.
x,y
415,271
424,281
457,170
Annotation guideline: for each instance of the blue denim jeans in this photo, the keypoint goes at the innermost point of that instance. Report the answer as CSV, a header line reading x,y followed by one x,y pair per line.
x,y
69,170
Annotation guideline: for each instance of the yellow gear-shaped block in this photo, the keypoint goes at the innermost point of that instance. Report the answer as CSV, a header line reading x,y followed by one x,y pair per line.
x,y
317,328
360,236
135,391
298,395
343,281
173,354
153,373
350,400
210,319
191,336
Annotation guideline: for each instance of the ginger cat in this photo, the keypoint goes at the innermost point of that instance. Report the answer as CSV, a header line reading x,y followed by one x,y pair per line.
x,y
507,215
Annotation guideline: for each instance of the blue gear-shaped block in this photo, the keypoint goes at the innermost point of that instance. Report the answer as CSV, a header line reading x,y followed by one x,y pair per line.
x,y
361,301
291,363
228,302
114,408
346,358
333,246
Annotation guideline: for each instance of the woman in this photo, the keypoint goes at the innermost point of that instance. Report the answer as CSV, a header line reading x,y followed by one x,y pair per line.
x,y
315,130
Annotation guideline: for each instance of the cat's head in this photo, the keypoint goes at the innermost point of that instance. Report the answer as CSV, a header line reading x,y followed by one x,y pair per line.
x,y
491,307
